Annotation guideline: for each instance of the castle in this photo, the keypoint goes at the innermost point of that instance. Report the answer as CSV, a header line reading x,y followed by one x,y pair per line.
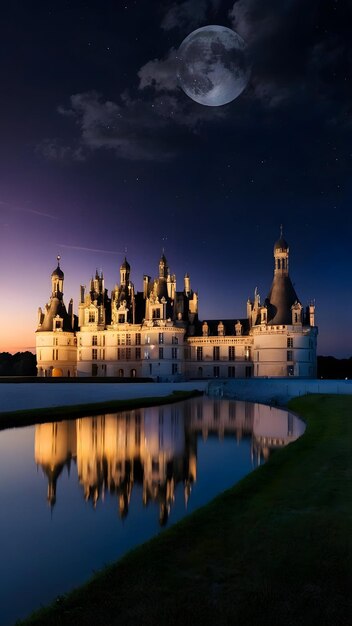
x,y
156,333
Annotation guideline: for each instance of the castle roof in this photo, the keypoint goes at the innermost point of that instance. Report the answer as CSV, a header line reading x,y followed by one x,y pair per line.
x,y
281,297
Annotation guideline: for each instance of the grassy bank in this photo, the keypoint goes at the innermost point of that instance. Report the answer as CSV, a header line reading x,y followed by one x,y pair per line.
x,y
14,419
275,549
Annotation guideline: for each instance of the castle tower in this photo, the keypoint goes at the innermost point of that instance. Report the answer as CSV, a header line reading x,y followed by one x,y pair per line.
x,y
125,270
282,295
163,268
57,281
55,347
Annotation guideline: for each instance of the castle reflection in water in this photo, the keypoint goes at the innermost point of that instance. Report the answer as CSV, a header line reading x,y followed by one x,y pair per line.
x,y
154,447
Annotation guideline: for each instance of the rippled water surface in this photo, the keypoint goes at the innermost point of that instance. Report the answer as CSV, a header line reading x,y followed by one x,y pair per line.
x,y
78,494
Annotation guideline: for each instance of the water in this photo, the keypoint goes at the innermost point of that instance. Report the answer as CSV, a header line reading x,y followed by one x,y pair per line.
x,y
76,495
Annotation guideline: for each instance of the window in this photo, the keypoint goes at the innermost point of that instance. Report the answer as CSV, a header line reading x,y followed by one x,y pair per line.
x,y
128,353
138,339
128,339
231,353
216,353
161,337
138,354
156,314
216,371
174,353
174,368
248,371
199,352
121,354
247,353
289,355
175,341
290,342
161,353
232,372
94,354
94,369
94,340
91,317
121,319
290,370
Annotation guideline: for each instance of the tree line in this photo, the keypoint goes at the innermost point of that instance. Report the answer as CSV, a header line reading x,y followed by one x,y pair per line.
x,y
25,364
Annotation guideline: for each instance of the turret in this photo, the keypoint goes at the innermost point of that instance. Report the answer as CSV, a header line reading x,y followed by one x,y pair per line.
x,y
125,270
281,252
57,281
282,295
163,268
187,285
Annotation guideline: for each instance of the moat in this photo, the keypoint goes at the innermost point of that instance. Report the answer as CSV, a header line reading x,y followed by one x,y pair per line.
x,y
79,494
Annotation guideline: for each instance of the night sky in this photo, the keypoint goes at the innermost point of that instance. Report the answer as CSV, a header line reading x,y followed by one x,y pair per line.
x,y
102,152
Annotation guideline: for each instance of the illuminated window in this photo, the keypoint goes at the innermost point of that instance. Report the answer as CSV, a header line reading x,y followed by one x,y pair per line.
x,y
161,337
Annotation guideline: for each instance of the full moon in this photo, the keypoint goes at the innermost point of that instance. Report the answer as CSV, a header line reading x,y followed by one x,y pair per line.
x,y
212,65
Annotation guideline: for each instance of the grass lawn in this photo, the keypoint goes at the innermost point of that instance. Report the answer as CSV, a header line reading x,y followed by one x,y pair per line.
x,y
276,549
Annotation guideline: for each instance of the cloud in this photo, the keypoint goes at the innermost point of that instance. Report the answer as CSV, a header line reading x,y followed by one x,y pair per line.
x,y
294,51
147,127
160,74
295,47
8,206
132,128
55,150
84,249
187,14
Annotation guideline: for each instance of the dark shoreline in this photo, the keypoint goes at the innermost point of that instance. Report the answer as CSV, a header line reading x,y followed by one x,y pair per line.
x,y
29,417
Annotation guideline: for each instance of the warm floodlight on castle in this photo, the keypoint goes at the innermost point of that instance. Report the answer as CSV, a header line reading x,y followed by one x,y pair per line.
x,y
156,333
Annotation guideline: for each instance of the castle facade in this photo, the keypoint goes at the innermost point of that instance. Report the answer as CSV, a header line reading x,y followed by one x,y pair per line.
x,y
156,333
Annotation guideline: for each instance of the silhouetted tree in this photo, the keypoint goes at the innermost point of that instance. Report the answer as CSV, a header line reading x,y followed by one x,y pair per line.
x,y
19,364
